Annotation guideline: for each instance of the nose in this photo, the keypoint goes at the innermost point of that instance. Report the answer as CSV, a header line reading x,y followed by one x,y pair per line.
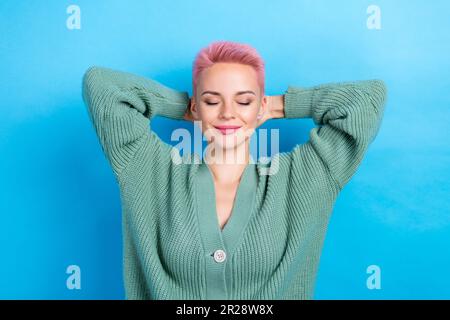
x,y
227,111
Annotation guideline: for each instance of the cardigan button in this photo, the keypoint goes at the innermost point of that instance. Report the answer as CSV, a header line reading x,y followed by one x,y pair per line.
x,y
219,256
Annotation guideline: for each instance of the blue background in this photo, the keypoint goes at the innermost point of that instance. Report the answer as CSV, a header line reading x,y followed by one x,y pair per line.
x,y
59,202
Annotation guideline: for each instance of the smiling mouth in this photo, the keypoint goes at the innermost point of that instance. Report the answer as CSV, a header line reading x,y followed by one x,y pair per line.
x,y
227,129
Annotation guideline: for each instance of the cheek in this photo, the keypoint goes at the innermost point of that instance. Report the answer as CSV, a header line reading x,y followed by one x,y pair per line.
x,y
205,114
207,118
249,116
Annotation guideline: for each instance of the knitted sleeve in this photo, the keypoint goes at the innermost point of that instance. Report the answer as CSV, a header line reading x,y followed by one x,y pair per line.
x,y
348,116
121,105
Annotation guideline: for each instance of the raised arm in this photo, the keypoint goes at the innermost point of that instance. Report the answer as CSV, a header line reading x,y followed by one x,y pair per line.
x,y
121,106
348,116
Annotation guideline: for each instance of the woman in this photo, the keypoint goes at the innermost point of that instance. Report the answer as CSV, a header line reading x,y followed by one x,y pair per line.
x,y
227,229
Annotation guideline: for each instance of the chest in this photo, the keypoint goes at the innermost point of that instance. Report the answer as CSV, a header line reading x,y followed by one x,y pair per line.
x,y
225,195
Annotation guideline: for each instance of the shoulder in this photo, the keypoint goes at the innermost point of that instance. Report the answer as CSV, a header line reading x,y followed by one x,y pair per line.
x,y
301,169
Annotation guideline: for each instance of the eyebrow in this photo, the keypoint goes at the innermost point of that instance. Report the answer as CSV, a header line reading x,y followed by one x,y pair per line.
x,y
237,93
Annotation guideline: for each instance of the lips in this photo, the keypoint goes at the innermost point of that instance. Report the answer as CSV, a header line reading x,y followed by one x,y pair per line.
x,y
227,129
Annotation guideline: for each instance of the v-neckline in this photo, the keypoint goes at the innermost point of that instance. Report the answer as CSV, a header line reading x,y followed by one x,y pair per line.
x,y
231,234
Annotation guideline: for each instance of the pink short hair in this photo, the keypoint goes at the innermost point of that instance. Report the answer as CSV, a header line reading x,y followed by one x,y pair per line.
x,y
228,51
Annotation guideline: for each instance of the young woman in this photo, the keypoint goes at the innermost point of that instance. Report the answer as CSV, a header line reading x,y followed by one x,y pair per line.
x,y
218,228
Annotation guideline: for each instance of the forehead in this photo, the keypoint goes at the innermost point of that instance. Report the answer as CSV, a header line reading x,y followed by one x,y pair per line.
x,y
228,77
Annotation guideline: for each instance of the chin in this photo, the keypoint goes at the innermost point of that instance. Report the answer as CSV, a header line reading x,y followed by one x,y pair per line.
x,y
229,143
226,147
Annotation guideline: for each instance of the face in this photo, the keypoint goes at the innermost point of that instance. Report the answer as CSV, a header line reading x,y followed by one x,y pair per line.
x,y
227,102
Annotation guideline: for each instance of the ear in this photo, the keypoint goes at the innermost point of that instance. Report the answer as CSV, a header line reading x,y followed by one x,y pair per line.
x,y
193,108
264,105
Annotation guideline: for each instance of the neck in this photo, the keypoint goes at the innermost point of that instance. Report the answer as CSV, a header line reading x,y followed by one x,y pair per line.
x,y
228,165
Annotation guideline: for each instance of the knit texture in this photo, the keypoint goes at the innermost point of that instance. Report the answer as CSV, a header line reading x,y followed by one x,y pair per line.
x,y
274,237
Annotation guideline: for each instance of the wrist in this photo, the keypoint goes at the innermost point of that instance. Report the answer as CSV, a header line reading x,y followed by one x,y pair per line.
x,y
277,106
